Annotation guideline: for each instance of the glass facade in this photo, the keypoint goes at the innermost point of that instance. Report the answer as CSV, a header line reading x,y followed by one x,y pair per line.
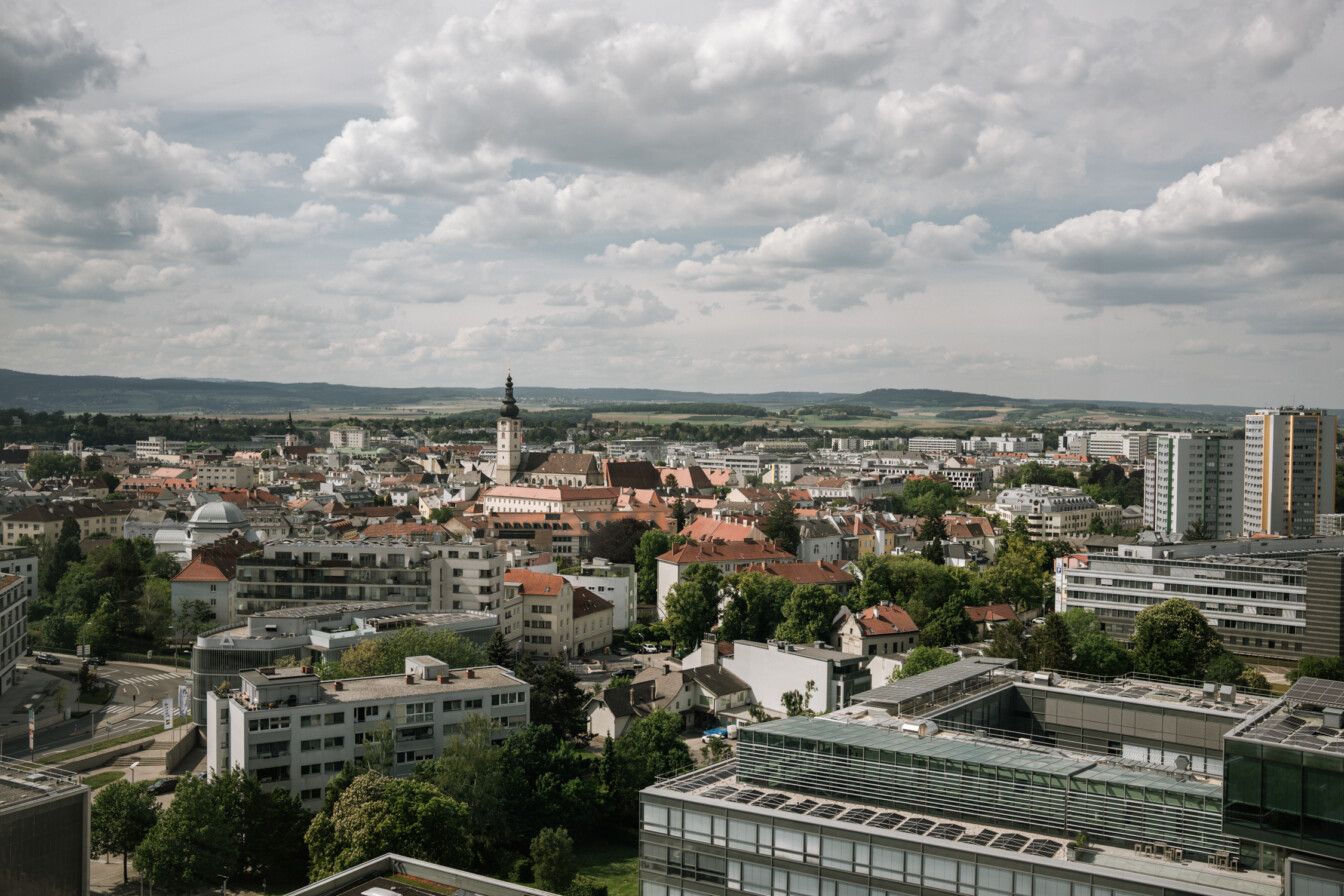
x,y
1292,798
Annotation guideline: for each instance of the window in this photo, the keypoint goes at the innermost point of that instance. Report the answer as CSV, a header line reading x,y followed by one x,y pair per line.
x,y
309,746
419,712
310,721
314,769
506,699
452,706
334,718
312,793
478,703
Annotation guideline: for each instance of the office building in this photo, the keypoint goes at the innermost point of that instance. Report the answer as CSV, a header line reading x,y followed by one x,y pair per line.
x,y
1193,480
1277,598
312,635
294,731
1289,471
977,778
1054,511
158,448
379,875
44,831
617,583
934,445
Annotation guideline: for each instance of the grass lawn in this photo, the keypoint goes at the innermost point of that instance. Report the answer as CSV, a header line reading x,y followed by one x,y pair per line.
x,y
616,865
102,778
146,733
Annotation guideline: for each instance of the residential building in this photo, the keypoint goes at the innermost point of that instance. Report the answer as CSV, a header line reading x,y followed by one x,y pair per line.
x,y
296,573
1289,471
826,573
1054,511
1193,480
21,562
311,635
933,445
987,618
747,467
880,630
1275,598
617,583
159,448
592,622
728,556
546,603
826,678
294,732
1103,444
210,576
226,476
1006,443
349,437
44,831
547,499
43,522
966,478
700,696
972,778
13,626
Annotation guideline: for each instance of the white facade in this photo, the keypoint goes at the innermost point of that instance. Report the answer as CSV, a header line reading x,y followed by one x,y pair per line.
x,y
157,447
226,476
354,438
1053,511
934,445
616,583
13,626
1289,471
21,562
294,732
1193,478
773,669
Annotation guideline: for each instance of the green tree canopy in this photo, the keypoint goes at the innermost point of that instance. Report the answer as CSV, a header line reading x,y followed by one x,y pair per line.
x,y
1328,667
1174,639
1097,653
922,659
1009,641
194,843
1034,473
45,464
1050,645
553,863
808,614
387,656
651,746
693,605
652,544
781,525
754,606
927,498
557,702
123,814
377,814
618,541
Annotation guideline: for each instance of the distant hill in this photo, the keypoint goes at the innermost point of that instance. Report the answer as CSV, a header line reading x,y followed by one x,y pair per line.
x,y
75,394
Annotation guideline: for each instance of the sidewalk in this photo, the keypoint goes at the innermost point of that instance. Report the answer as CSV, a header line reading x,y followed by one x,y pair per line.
x,y
36,686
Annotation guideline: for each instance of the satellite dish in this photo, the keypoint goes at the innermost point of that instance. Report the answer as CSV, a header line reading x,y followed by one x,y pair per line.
x,y
1183,762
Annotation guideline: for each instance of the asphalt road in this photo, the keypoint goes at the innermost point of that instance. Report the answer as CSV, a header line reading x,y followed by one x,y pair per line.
x,y
136,704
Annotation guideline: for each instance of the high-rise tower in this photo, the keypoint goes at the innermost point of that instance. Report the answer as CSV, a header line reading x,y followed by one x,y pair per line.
x,y
508,438
1289,472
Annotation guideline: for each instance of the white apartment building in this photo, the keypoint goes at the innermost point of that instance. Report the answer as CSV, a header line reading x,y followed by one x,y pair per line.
x,y
13,626
348,436
1193,478
294,731
1054,511
226,476
1006,443
1101,444
1289,471
158,448
1277,598
546,602
616,583
21,562
965,478
934,445
746,466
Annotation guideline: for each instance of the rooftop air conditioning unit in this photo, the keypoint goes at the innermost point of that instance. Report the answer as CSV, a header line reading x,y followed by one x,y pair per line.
x,y
1333,717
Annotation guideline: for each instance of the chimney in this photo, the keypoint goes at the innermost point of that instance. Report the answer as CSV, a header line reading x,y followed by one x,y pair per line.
x,y
856,522
471,673
340,685
443,679
410,679
306,670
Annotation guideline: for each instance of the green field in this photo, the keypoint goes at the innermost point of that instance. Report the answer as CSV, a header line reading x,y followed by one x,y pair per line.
x,y
614,865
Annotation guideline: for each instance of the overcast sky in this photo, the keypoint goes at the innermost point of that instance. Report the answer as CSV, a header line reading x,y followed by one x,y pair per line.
x,y
1134,201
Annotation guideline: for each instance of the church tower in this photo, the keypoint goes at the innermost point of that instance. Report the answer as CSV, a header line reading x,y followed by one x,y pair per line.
x,y
291,435
508,438
76,445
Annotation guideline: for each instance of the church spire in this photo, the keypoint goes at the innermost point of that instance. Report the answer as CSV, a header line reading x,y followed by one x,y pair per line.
x,y
509,408
289,422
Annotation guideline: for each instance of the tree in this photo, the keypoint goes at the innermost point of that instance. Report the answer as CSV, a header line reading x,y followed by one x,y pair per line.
x,y
122,815
1034,473
194,842
1197,531
933,552
781,525
922,659
928,497
472,770
553,864
679,514
650,747
100,630
377,814
1327,667
497,651
1080,623
1018,575
808,614
754,607
799,703
156,610
932,529
55,560
947,625
1097,653
652,544
693,605
387,656
268,827
1174,639
618,541
380,748
557,702
46,464
1050,645
440,515
1009,641
192,618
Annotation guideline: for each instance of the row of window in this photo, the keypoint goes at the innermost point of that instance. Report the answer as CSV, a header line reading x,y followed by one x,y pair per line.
x,y
321,743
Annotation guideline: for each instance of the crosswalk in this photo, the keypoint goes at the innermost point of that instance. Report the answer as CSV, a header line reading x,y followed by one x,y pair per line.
x,y
121,678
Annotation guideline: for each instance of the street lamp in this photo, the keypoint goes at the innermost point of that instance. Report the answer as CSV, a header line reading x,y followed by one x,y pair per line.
x,y
133,767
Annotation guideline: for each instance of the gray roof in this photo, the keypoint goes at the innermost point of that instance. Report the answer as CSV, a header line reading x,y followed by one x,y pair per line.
x,y
717,680
925,683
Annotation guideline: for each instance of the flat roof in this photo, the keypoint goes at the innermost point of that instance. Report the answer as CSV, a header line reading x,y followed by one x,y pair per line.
x,y
379,686
21,782
1298,721
720,784
926,683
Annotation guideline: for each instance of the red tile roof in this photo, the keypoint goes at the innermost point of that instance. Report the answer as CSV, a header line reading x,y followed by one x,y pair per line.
x,y
537,584
886,619
991,613
820,572
719,551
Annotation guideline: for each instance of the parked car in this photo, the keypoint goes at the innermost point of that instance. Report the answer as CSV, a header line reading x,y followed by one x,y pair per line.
x,y
97,661
712,733
649,648
163,785
622,651
46,659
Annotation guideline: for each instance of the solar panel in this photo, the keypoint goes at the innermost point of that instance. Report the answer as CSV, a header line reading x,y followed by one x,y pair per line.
x,y
887,820
720,792
827,810
746,796
857,816
1012,842
802,807
947,831
1318,692
980,839
916,825
1044,848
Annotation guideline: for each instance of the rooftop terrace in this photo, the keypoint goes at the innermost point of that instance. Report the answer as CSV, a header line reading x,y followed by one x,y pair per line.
x,y
1309,718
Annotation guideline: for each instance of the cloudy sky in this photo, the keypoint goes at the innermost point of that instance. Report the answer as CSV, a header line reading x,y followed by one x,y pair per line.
x,y
1135,201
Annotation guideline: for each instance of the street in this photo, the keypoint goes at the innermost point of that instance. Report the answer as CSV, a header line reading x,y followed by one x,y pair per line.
x,y
140,690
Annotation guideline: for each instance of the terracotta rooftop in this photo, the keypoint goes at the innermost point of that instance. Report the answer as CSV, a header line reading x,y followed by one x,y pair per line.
x,y
719,551
887,619
991,613
536,584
